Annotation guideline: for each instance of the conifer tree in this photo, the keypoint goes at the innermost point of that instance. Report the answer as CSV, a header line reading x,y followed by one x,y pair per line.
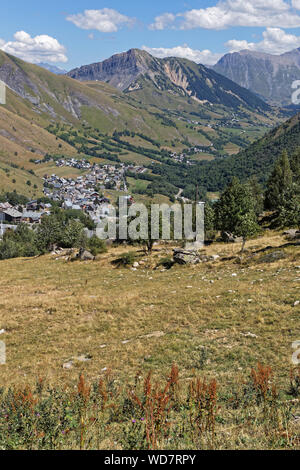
x,y
235,211
279,181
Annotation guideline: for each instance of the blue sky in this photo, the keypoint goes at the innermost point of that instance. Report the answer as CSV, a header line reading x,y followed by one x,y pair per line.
x,y
71,33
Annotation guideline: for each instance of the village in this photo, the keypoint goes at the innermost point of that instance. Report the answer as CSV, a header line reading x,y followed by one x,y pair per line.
x,y
84,193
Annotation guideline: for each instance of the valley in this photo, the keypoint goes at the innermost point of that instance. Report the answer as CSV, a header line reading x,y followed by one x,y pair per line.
x,y
44,112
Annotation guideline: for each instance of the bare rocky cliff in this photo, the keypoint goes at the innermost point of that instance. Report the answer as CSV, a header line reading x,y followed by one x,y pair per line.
x,y
269,76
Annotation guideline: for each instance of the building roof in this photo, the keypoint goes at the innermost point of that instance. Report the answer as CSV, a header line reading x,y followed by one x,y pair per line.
x,y
13,213
31,215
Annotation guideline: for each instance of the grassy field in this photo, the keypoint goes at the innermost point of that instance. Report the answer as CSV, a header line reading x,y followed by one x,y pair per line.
x,y
215,320
52,309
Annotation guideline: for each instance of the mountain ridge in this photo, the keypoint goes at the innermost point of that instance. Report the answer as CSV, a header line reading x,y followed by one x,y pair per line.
x,y
48,114
269,76
135,69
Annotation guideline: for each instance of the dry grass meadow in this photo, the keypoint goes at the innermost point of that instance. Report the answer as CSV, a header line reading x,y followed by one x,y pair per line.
x,y
216,320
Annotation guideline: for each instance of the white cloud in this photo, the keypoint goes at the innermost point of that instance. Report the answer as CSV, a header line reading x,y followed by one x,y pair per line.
x,y
200,57
105,20
36,49
296,4
162,22
275,41
250,13
2,42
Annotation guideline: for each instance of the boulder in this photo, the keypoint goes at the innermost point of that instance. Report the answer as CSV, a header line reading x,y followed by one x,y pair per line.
x,y
183,257
292,234
227,237
85,255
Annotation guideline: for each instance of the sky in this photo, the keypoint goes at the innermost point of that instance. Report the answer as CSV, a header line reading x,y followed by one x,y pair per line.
x,y
70,33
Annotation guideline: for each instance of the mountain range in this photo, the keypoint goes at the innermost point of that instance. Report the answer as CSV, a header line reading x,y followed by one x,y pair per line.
x,y
136,70
268,76
171,104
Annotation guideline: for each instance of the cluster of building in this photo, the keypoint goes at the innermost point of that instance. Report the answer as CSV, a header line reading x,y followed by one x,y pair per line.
x,y
12,216
74,163
84,192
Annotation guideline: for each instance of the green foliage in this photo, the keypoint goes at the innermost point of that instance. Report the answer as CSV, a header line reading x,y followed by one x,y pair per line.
x,y
280,179
71,235
235,211
14,198
126,259
288,210
283,191
96,246
257,193
147,415
59,229
210,221
20,243
49,233
166,262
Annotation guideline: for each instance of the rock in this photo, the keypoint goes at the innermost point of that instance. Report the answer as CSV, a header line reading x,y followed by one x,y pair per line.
x,y
83,358
192,257
292,234
136,264
2,332
214,257
272,257
155,334
296,419
295,304
227,237
249,335
68,365
85,255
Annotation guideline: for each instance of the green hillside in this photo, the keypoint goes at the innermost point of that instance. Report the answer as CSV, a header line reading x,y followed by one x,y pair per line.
x,y
257,160
50,115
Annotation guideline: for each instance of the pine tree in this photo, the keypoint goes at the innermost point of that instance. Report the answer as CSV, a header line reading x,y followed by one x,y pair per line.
x,y
289,201
235,211
279,181
257,193
289,207
295,166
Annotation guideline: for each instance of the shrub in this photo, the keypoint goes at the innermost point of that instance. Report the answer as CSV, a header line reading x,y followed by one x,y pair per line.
x,y
96,246
126,259
166,262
